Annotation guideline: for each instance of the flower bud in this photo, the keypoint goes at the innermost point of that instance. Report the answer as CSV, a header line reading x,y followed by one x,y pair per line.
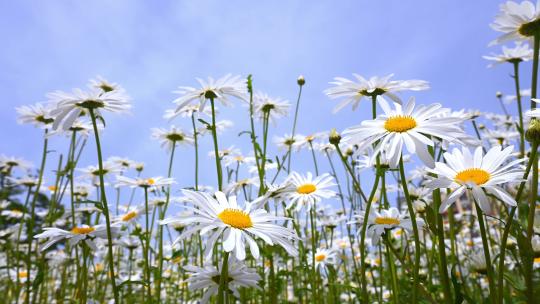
x,y
301,81
499,94
334,137
533,132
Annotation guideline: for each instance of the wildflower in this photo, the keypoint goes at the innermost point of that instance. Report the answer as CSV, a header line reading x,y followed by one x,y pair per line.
x,y
86,234
220,89
465,171
407,126
353,92
306,190
517,21
68,106
171,137
208,277
237,225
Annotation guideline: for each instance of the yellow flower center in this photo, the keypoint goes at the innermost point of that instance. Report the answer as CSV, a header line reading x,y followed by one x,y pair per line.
x,y
399,123
473,175
386,221
306,188
150,181
82,230
235,218
52,188
537,260
128,216
16,212
99,267
320,257
23,275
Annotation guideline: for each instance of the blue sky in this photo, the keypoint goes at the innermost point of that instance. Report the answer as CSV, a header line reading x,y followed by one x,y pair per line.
x,y
151,47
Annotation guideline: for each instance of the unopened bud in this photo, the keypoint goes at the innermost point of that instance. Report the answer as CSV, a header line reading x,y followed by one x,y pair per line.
x,y
334,137
533,132
301,81
499,94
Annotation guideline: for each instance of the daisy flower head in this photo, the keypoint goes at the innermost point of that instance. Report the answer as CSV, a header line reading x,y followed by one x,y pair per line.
x,y
520,52
409,125
388,219
169,138
104,85
288,142
308,190
69,106
323,259
130,216
7,163
237,225
354,91
534,113
220,89
152,182
208,277
517,21
37,115
464,171
187,111
86,234
271,108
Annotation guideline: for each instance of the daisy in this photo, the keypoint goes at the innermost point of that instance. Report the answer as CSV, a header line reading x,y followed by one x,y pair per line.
x,y
464,171
9,162
104,85
220,89
521,52
188,111
153,182
323,259
238,225
171,137
503,119
86,234
130,216
221,126
306,190
208,277
240,185
534,112
273,108
68,106
93,172
387,219
516,21
38,115
407,126
288,142
353,92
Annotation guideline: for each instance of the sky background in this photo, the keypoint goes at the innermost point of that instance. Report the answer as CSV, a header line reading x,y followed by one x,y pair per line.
x,y
152,47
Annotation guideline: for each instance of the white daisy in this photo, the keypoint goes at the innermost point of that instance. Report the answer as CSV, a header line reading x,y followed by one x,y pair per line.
x,y
518,21
273,108
69,106
87,234
220,89
323,259
387,219
152,182
521,52
353,92
187,111
306,190
464,171
171,137
208,277
407,126
37,115
238,225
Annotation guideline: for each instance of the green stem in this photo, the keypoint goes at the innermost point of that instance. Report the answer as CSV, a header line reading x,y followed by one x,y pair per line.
x,y
415,230
196,143
223,279
506,232
520,110
216,150
443,266
485,245
105,207
30,232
